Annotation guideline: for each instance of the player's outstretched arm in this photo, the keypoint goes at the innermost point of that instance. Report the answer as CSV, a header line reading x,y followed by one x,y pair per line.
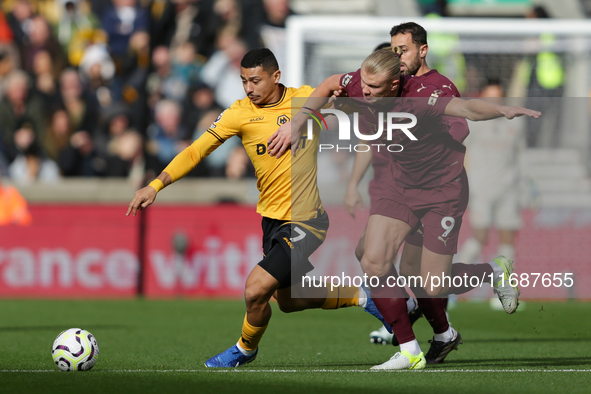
x,y
289,134
180,166
476,110
144,197
352,196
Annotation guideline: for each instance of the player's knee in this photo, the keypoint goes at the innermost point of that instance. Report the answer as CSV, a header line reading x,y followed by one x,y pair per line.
x,y
374,266
377,261
254,297
437,292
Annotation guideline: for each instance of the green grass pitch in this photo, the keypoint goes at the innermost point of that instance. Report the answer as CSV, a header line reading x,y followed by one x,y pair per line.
x,y
160,347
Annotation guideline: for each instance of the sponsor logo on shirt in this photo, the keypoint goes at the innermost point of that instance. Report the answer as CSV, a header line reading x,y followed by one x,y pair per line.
x,y
261,149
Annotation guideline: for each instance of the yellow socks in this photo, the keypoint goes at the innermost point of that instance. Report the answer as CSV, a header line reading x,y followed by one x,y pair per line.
x,y
338,297
251,336
341,297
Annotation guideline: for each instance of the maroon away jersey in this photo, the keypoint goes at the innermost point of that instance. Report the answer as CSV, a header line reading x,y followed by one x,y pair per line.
x,y
435,158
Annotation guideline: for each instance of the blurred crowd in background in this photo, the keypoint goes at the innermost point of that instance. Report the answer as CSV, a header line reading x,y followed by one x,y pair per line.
x,y
116,88
99,88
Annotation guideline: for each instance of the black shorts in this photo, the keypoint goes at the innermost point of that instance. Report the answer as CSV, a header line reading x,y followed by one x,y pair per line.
x,y
299,240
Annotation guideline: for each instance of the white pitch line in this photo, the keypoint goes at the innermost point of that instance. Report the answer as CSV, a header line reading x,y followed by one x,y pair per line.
x,y
302,371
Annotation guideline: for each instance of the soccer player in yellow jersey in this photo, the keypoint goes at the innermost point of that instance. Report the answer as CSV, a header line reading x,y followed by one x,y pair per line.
x,y
294,222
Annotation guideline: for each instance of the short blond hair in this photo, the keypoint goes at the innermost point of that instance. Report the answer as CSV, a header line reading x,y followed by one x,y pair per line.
x,y
383,60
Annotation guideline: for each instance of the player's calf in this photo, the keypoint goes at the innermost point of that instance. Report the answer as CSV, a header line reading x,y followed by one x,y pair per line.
x,y
383,337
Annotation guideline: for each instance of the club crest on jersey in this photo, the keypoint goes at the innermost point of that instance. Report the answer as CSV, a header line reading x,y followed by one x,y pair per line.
x,y
434,96
346,80
282,119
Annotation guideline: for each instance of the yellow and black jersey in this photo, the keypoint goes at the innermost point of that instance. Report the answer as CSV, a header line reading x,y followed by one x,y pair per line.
x,y
288,189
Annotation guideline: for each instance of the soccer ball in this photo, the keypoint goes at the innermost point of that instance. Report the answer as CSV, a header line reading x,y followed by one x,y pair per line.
x,y
75,350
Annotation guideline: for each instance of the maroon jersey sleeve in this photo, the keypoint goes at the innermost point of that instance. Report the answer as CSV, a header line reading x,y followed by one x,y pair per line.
x,y
458,127
429,106
351,83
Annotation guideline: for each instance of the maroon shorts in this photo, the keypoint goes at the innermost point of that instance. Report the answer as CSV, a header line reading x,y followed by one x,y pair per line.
x,y
415,237
436,213
374,192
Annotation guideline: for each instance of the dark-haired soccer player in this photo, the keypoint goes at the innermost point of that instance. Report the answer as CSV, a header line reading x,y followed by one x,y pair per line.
x,y
411,38
428,185
289,203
